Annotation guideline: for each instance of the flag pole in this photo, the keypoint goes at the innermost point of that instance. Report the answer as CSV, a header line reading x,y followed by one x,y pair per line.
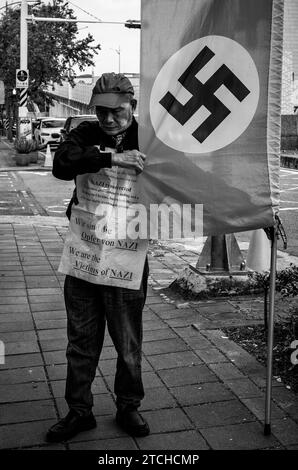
x,y
270,334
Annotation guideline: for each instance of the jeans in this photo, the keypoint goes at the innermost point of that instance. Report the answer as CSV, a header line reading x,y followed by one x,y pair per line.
x,y
89,307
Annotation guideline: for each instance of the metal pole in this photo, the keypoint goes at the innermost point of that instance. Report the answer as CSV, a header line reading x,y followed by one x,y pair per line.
x,y
270,337
68,20
23,46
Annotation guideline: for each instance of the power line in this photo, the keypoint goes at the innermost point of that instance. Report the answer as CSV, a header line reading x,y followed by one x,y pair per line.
x,y
90,14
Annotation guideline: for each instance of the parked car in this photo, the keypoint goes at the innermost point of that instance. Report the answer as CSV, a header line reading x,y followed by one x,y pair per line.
x,y
73,121
48,131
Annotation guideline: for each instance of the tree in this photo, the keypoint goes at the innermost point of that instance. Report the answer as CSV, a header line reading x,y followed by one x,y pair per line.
x,y
53,49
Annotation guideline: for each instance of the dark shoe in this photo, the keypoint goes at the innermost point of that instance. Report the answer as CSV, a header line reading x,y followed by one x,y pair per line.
x,y
132,422
69,426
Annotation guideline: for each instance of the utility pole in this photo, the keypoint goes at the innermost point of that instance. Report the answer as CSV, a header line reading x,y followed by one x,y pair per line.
x,y
24,50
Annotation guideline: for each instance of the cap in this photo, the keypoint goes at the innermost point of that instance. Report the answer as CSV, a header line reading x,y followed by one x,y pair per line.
x,y
111,90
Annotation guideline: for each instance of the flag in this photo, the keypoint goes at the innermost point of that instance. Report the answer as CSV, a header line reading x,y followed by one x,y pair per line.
x,y
210,108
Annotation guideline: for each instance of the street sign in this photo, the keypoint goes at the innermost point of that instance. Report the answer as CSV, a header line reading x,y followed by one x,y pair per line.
x,y
2,92
22,78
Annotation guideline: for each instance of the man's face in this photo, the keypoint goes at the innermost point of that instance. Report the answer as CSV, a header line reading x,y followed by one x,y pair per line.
x,y
113,121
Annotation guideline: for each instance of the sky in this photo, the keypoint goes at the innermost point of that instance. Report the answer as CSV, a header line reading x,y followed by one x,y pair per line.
x,y
110,36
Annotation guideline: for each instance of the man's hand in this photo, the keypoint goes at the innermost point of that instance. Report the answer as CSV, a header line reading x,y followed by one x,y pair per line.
x,y
132,159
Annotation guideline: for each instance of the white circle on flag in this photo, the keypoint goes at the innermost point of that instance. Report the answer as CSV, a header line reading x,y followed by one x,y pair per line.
x,y
227,78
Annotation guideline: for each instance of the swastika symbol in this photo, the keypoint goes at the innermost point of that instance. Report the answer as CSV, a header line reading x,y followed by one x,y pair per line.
x,y
203,95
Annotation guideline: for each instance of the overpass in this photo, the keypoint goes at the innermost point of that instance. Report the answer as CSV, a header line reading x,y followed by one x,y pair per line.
x,y
68,100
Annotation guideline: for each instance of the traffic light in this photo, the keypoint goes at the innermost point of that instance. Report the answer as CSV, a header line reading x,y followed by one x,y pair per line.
x,y
133,24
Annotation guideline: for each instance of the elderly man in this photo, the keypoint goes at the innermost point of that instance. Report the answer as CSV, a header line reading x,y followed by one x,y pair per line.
x,y
90,306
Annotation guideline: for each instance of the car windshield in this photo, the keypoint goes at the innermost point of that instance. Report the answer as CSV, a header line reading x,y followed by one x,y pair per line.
x,y
53,123
75,122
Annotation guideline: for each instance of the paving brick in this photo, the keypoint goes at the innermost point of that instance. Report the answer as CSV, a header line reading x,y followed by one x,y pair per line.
x,y
56,371
201,393
47,306
286,431
13,274
186,440
246,436
54,333
188,331
175,359
13,292
257,406
181,321
219,413
45,291
21,347
17,435
157,398
50,315
22,360
154,300
103,405
117,443
226,371
260,381
244,388
18,336
211,355
25,325
27,411
220,339
13,300
37,299
187,375
24,375
5,284
198,342
167,420
24,392
164,346
14,309
51,324
34,282
165,309
53,344
156,335
154,325
55,357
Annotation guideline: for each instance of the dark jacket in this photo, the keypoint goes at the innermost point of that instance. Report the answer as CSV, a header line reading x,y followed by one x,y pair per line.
x,y
78,155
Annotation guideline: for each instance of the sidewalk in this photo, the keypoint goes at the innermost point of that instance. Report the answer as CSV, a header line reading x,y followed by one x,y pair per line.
x,y
202,390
